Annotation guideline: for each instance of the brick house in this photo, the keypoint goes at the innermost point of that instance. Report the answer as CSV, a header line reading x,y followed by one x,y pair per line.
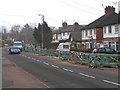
x,y
103,32
67,33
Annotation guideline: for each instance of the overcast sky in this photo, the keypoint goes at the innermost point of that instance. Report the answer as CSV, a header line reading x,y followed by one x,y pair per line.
x,y
13,12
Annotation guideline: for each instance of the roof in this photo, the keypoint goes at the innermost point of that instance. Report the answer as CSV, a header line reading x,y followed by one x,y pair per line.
x,y
69,28
109,19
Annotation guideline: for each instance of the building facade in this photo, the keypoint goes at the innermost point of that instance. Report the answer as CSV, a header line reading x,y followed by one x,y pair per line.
x,y
67,33
103,32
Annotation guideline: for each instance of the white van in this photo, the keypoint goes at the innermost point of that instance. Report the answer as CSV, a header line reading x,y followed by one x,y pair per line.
x,y
64,46
18,44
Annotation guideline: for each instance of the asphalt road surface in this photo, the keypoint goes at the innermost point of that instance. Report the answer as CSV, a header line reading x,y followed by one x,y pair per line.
x,y
61,75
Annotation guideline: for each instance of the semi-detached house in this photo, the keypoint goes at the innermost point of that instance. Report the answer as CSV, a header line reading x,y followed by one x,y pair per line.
x,y
103,32
67,33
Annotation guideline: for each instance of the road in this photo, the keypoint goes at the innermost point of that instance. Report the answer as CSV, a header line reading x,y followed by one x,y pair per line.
x,y
60,75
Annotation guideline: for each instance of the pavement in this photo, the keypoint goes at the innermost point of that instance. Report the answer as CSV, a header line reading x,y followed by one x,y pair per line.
x,y
16,77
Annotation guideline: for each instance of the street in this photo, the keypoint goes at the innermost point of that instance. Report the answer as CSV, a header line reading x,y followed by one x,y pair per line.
x,y
55,74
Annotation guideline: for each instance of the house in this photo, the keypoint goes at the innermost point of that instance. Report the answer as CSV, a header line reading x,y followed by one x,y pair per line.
x,y
103,32
67,33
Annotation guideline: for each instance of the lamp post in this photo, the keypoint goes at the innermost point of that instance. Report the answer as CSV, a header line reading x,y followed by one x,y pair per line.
x,y
42,19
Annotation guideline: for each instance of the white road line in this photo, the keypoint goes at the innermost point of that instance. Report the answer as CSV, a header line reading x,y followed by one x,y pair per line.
x,y
86,75
46,63
32,58
38,60
65,69
68,70
71,70
111,82
55,66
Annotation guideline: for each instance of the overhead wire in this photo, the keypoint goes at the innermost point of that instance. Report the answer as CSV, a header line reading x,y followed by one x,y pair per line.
x,y
87,6
83,10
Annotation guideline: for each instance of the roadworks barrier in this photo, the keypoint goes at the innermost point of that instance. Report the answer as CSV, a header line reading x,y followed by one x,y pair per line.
x,y
91,59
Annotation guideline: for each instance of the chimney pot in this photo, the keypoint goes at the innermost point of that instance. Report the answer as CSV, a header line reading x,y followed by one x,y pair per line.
x,y
76,26
64,24
109,9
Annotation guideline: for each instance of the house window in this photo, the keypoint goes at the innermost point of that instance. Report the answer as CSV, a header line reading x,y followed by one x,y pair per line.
x,y
105,30
116,28
87,45
67,33
113,45
94,31
86,32
83,33
106,44
63,34
109,29
117,46
90,31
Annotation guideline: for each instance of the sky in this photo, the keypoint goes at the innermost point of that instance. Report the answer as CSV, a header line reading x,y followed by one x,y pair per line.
x,y
20,12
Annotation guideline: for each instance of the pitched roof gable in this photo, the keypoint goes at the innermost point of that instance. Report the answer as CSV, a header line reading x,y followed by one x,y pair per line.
x,y
109,19
68,28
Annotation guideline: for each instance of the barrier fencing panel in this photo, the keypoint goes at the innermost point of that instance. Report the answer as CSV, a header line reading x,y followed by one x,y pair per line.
x,y
92,60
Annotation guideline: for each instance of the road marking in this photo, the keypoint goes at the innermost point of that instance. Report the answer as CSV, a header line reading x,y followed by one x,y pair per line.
x,y
55,66
86,75
68,70
111,82
71,70
65,69
46,63
38,60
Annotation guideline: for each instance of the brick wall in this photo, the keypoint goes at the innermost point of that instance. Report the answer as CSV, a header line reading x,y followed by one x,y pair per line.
x,y
99,35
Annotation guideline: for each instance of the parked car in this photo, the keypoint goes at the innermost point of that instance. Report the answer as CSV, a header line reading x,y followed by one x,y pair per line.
x,y
14,50
104,50
64,46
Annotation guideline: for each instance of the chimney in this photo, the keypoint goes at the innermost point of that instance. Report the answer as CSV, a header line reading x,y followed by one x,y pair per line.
x,y
64,24
76,26
109,9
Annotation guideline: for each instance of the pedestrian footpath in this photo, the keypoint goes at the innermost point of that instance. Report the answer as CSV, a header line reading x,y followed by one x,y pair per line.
x,y
16,77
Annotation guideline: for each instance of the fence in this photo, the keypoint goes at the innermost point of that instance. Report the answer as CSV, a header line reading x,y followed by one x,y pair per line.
x,y
92,60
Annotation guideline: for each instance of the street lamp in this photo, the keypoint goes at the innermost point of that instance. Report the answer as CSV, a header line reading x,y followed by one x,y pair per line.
x,y
42,18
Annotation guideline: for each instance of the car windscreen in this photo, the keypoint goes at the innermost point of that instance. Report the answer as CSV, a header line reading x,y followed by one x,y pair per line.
x,y
66,46
17,44
109,50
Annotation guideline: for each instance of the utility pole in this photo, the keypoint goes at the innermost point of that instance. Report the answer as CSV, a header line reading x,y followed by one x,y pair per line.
x,y
42,18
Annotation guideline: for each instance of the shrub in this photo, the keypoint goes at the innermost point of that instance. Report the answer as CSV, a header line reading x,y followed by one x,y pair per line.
x,y
118,52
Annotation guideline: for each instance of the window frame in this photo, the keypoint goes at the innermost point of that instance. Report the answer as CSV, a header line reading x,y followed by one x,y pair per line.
x,y
109,29
105,30
116,28
86,33
90,31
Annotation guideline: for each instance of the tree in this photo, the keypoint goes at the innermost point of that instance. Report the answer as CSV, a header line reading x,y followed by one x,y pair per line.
x,y
26,34
37,34
14,33
47,35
